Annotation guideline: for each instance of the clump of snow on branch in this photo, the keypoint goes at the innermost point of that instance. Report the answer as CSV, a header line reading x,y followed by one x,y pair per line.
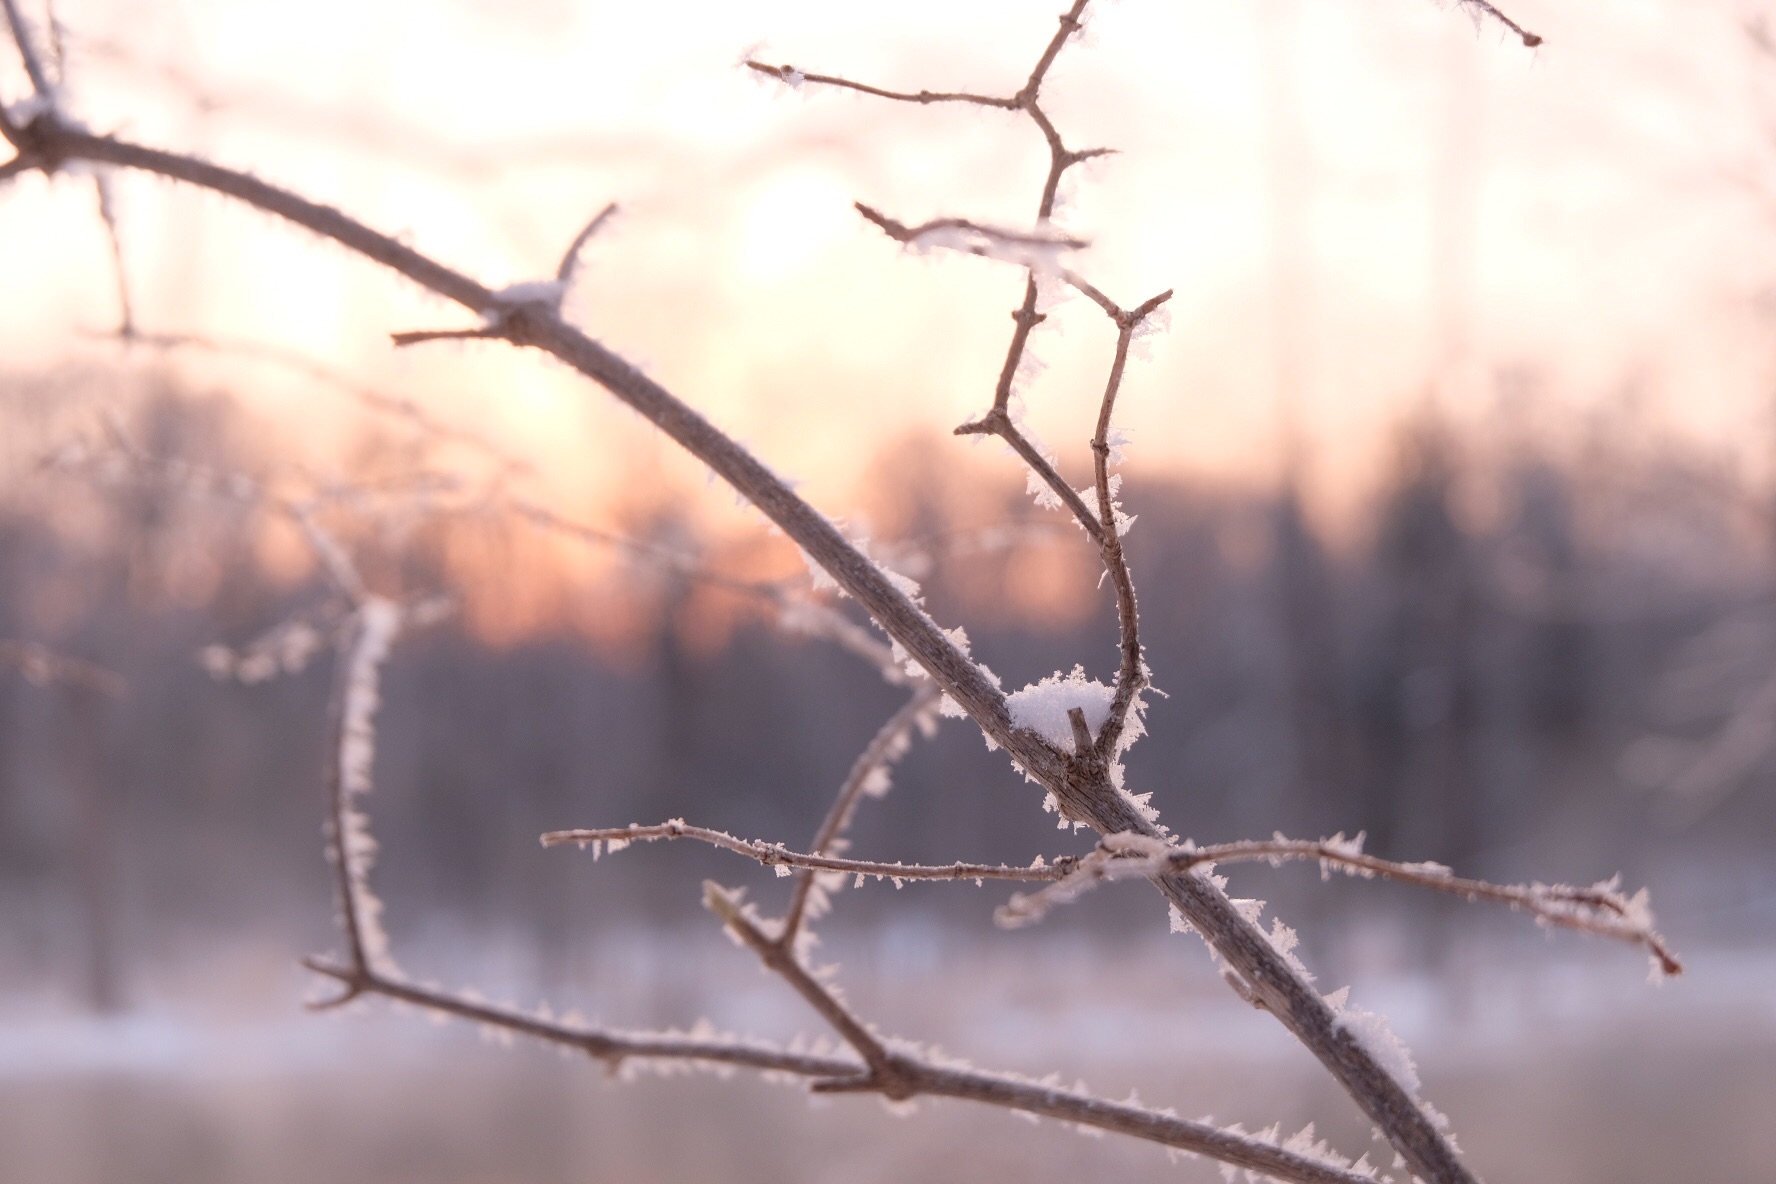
x,y
1042,707
535,293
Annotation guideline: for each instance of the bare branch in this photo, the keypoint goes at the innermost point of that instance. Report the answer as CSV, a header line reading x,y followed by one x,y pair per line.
x,y
615,838
1071,22
868,775
899,1073
570,259
830,1074
422,336
1132,675
607,1045
794,77
1530,40
333,558
774,954
42,666
350,847
27,47
1033,249
998,422
1082,788
1600,909
126,327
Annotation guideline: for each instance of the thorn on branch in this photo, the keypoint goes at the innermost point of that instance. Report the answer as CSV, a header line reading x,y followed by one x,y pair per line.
x,y
571,258
421,336
353,982
1242,988
866,1083
1082,735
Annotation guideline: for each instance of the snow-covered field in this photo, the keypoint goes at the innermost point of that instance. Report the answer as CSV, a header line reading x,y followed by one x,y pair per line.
x,y
1557,1063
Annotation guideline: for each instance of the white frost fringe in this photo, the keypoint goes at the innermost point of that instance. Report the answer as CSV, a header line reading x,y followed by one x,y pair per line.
x,y
378,623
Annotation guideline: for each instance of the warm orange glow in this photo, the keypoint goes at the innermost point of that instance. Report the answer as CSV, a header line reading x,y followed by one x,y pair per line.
x,y
1458,206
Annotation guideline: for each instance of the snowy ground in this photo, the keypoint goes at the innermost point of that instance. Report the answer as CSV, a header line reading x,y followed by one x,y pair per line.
x,y
1557,1063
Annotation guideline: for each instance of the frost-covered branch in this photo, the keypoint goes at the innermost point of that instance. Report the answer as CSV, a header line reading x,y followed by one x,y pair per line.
x,y
868,777
615,838
570,258
126,314
1131,677
900,1072
1483,9
608,1045
1083,786
1300,1159
350,847
42,666
1601,909
1038,250
790,76
41,85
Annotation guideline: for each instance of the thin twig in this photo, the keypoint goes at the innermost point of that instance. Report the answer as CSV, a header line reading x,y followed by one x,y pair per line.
x,y
607,1045
422,336
1600,909
890,741
570,259
42,666
1530,40
900,1073
350,847
614,838
126,327
998,422
1131,677
834,1074
21,37
783,961
976,238
795,77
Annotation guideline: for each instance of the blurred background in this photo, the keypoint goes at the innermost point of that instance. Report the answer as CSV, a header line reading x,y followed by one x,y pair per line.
x,y
1457,527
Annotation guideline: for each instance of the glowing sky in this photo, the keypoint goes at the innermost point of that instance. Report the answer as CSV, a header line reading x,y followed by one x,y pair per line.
x,y
1403,201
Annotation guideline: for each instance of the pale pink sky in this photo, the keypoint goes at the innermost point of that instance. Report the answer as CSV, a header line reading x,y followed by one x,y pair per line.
x,y
1570,210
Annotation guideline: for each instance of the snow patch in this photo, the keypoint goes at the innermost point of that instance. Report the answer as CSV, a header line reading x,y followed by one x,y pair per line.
x,y
1042,707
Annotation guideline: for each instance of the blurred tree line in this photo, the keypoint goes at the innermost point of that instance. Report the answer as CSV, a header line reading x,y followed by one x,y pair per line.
x,y
1516,665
